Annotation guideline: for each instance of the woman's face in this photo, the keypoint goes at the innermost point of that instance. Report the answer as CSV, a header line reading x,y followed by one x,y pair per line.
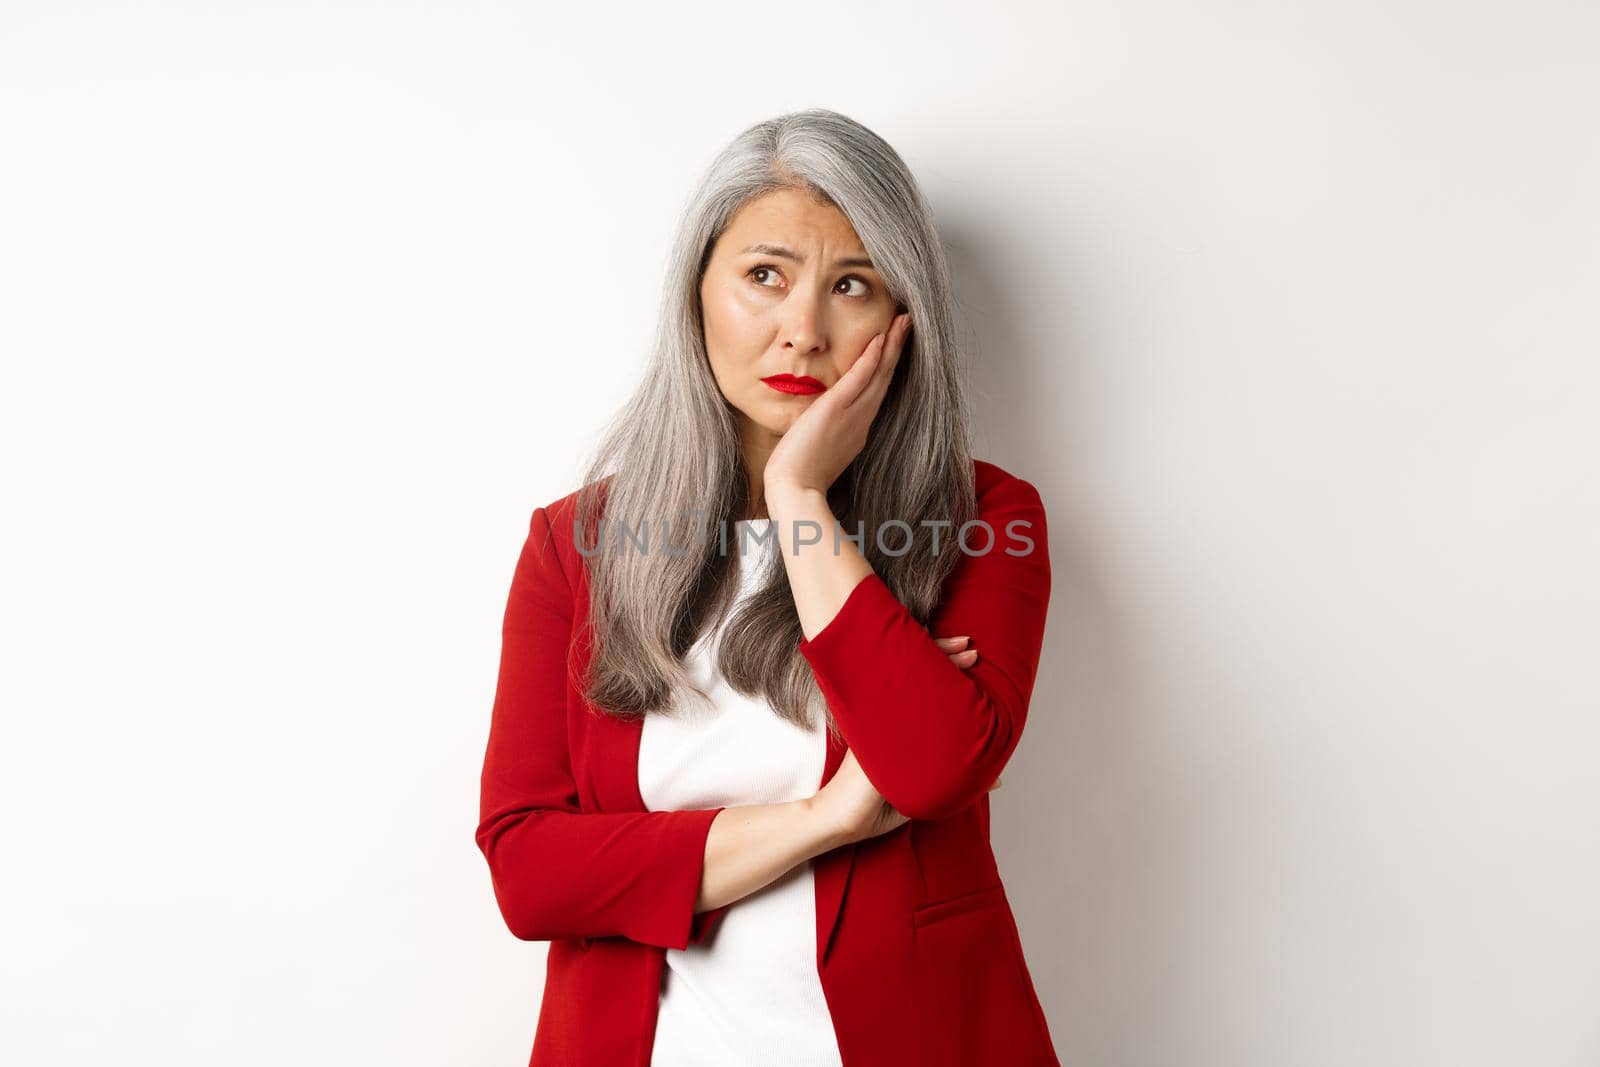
x,y
788,290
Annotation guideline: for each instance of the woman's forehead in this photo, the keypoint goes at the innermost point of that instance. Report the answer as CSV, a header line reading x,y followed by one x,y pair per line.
x,y
791,218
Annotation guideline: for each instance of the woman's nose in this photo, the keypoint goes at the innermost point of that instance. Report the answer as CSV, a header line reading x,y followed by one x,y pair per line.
x,y
803,326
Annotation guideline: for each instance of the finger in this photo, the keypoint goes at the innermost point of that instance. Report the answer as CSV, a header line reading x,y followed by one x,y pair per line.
x,y
964,658
872,394
893,345
951,642
996,785
897,343
858,376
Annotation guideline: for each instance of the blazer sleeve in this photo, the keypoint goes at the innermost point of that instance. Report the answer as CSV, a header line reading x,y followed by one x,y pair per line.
x,y
559,872
931,736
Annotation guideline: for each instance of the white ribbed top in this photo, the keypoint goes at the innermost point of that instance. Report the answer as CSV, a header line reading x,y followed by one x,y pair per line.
x,y
750,993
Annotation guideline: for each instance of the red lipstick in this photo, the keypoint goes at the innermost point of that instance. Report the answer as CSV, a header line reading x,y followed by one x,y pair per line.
x,y
803,385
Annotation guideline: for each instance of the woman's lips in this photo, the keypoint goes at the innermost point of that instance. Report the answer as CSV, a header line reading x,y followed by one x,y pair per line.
x,y
788,383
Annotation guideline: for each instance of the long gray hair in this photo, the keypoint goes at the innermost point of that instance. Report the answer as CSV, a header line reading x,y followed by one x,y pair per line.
x,y
673,452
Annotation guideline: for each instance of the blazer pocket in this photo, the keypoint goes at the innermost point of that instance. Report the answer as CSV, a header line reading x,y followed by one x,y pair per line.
x,y
987,897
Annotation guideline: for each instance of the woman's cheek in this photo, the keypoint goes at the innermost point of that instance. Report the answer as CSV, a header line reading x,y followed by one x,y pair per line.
x,y
746,308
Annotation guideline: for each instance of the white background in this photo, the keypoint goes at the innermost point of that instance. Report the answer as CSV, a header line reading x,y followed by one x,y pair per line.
x,y
1287,309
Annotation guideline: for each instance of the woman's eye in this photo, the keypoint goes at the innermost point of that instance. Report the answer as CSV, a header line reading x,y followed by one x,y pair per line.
x,y
760,274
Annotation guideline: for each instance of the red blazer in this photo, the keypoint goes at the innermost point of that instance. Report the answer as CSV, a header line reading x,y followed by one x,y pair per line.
x,y
917,949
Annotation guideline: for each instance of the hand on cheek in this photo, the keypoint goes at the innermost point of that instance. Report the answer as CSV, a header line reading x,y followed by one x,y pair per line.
x,y
833,430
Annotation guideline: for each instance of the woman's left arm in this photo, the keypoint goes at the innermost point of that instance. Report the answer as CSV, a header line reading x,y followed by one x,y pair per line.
x,y
930,736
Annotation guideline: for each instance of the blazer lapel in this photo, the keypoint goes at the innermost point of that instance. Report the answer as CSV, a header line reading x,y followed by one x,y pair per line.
x,y
611,749
616,771
831,869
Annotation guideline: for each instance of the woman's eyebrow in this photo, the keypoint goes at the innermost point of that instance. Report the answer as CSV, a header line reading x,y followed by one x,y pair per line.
x,y
783,253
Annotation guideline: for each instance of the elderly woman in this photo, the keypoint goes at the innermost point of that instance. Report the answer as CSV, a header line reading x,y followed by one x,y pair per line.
x,y
761,671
